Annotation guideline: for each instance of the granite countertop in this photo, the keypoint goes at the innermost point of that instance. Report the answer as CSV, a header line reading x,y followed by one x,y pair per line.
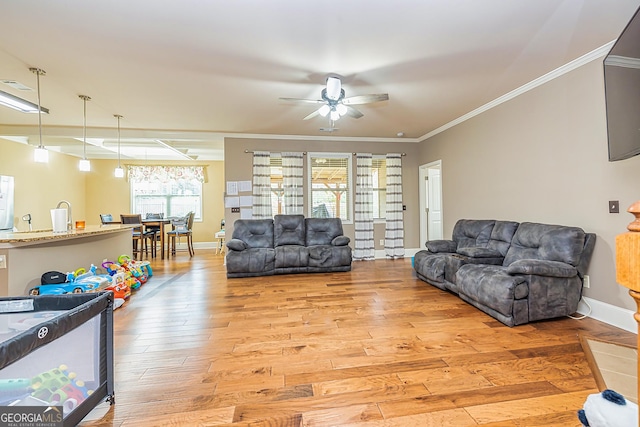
x,y
49,235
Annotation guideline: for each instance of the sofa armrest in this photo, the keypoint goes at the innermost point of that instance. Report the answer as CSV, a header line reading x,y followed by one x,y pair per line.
x,y
236,245
340,241
436,246
540,267
478,252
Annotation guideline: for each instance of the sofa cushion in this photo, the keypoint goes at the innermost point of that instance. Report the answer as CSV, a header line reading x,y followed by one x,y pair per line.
x,y
472,232
441,246
501,236
288,230
546,242
491,286
542,268
327,256
236,245
321,231
430,265
475,252
291,256
256,261
340,241
256,233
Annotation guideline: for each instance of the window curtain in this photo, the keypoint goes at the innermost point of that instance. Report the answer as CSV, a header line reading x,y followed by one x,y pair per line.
x,y
165,173
394,231
364,245
292,183
262,185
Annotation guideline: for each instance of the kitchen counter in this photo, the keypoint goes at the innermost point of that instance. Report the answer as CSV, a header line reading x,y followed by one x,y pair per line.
x,y
23,238
26,255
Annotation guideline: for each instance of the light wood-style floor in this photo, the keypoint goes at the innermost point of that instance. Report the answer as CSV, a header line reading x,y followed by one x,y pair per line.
x,y
371,347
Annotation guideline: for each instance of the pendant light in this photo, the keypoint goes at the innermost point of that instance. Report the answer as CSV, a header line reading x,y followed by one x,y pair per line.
x,y
84,165
118,172
40,154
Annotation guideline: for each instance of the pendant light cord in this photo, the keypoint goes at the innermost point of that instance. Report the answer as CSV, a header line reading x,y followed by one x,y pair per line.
x,y
118,117
39,108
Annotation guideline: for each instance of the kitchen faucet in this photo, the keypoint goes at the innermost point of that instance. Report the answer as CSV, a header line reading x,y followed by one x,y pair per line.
x,y
69,218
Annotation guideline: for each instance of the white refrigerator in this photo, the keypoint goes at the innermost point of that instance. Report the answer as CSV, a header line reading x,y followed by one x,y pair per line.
x,y
6,203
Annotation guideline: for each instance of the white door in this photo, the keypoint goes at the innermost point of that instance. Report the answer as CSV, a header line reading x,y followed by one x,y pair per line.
x,y
430,202
434,217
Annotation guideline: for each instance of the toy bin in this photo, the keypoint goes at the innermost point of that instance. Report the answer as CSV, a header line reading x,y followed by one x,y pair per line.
x,y
56,354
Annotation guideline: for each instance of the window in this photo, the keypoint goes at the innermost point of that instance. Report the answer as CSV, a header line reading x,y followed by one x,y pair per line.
x,y
379,180
173,191
330,183
277,192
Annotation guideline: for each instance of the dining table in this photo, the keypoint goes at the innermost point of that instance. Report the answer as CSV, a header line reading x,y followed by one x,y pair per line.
x,y
160,223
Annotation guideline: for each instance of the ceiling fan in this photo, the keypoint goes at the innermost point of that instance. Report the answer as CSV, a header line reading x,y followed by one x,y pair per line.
x,y
334,103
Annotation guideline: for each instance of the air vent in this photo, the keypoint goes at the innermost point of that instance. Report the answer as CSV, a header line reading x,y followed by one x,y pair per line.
x,y
328,129
16,85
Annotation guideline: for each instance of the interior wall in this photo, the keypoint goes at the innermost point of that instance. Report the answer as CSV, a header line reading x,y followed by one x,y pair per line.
x,y
40,186
239,167
542,157
107,194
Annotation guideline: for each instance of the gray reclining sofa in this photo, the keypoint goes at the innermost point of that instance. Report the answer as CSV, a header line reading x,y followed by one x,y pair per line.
x,y
287,244
539,276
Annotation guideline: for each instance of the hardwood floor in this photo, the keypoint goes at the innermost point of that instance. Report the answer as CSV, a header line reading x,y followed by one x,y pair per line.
x,y
372,347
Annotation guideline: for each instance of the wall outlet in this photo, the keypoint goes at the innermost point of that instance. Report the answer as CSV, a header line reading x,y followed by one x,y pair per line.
x,y
3,261
585,281
382,242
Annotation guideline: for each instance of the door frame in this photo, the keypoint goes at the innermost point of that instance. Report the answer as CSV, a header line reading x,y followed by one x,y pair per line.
x,y
423,174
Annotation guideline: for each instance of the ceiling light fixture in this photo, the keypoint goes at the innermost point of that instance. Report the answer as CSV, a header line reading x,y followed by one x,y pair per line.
x,y
20,104
118,172
84,165
40,154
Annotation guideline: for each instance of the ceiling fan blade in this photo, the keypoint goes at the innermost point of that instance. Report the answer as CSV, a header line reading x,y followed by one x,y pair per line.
x,y
312,115
352,112
366,99
309,101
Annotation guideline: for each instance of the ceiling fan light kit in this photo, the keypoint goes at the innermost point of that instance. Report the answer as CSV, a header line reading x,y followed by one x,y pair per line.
x,y
334,103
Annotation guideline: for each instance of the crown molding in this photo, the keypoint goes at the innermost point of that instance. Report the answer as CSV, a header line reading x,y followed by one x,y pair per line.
x,y
560,71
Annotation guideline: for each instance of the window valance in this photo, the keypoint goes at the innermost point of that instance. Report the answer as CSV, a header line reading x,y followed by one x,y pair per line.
x,y
166,173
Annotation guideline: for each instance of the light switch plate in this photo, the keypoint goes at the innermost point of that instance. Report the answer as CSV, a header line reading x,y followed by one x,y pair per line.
x,y
3,261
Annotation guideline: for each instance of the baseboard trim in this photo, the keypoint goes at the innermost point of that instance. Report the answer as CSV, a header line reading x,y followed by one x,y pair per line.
x,y
610,314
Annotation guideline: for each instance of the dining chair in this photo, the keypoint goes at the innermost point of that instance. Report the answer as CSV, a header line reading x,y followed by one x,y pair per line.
x,y
155,229
107,219
138,234
181,227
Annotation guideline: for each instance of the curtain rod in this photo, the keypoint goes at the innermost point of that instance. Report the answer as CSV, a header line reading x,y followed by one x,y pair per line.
x,y
304,153
382,154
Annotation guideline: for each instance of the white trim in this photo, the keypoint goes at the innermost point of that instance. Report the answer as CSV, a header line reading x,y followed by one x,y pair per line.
x,y
622,61
576,63
610,314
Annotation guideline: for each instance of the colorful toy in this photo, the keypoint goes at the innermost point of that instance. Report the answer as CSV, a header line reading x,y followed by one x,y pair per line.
x,y
113,268
63,288
145,266
608,409
14,389
59,387
119,287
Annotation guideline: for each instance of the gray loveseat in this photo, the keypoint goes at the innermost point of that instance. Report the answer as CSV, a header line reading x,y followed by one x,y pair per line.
x,y
539,277
287,244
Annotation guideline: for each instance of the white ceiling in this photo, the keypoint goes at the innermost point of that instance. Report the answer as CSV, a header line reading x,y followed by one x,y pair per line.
x,y
191,72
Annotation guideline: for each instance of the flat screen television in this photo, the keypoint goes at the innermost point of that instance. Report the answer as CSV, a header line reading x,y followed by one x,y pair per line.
x,y
622,92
